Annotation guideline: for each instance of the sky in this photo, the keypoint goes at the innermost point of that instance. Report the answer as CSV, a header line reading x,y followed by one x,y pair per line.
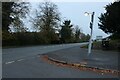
x,y
74,11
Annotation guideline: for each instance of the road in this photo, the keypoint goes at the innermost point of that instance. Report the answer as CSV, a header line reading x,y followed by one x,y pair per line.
x,y
25,62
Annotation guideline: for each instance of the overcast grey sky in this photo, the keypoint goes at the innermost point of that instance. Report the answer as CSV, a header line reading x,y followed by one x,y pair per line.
x,y
75,12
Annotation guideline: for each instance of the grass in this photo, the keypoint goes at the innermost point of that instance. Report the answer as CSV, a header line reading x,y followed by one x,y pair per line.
x,y
84,46
114,45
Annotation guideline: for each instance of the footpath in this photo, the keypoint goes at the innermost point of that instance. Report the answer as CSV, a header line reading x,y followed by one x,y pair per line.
x,y
103,61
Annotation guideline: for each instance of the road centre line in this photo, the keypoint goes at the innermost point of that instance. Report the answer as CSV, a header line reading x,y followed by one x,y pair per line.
x,y
9,62
13,61
20,60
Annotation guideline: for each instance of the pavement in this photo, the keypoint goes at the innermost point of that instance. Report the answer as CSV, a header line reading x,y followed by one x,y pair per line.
x,y
77,55
27,62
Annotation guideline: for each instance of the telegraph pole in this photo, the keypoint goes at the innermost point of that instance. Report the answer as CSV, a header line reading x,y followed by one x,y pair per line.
x,y
91,27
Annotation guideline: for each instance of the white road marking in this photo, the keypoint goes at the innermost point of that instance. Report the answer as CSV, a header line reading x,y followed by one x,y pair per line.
x,y
9,62
20,60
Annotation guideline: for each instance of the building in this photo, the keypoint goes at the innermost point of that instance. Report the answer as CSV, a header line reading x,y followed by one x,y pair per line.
x,y
99,38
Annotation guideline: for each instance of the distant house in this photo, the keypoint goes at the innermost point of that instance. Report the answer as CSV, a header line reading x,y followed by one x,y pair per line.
x,y
107,38
99,38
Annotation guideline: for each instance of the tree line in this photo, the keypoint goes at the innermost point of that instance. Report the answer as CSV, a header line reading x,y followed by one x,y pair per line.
x,y
109,21
46,22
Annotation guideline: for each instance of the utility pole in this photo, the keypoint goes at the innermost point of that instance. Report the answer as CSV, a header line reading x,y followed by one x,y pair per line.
x,y
91,27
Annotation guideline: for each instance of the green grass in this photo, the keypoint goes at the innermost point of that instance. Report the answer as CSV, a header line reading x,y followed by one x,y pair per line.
x,y
84,46
113,45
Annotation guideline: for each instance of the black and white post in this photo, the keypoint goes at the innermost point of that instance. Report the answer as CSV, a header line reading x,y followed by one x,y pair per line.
x,y
91,27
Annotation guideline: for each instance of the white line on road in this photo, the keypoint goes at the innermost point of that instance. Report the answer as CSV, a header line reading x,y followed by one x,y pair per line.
x,y
20,60
9,62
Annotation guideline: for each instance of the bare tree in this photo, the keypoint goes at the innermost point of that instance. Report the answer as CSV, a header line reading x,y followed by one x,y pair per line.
x,y
77,33
47,19
20,11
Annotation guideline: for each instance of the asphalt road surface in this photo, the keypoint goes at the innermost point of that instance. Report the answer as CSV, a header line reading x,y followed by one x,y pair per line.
x,y
25,62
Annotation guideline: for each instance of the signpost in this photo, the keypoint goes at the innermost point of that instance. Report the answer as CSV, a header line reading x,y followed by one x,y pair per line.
x,y
91,27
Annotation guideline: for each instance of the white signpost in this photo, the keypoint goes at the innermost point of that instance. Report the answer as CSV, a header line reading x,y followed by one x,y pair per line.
x,y
91,27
